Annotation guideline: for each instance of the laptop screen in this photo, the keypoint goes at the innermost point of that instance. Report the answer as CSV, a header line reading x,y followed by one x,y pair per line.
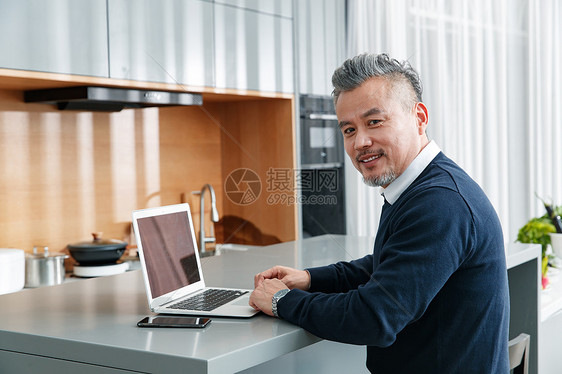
x,y
169,252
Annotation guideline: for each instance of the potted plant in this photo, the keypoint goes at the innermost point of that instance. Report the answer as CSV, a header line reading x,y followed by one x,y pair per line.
x,y
537,230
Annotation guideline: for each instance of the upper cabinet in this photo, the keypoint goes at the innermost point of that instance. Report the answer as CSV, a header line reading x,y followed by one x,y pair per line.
x,y
59,36
253,50
225,44
320,39
168,41
277,7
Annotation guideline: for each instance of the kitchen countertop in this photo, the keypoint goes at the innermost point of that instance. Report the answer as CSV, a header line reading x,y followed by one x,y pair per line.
x,y
519,253
92,323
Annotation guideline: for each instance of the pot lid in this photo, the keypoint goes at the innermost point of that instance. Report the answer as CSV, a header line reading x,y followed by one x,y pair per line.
x,y
44,253
99,243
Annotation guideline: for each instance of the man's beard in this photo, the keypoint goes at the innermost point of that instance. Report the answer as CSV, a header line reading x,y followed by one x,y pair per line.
x,y
377,180
380,180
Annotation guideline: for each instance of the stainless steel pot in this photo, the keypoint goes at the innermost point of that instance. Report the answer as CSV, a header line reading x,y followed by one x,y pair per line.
x,y
44,268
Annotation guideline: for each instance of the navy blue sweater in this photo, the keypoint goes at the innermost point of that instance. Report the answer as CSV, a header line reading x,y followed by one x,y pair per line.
x,y
433,296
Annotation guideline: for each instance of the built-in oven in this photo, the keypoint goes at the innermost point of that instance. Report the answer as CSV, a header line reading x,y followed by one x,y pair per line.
x,y
321,178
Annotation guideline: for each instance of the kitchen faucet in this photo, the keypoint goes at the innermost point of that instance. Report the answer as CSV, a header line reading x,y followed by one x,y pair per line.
x,y
214,216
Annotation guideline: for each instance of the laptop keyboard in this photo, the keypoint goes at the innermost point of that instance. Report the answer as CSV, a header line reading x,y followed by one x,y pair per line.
x,y
208,300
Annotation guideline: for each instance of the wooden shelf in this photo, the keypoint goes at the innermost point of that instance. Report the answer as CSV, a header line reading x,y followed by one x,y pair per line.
x,y
31,80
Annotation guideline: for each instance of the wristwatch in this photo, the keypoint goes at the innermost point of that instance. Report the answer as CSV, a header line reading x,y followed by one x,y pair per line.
x,y
278,295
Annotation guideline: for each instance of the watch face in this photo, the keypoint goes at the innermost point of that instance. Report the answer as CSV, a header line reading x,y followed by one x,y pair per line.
x,y
281,293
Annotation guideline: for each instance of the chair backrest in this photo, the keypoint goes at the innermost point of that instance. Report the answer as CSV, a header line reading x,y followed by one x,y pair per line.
x,y
519,354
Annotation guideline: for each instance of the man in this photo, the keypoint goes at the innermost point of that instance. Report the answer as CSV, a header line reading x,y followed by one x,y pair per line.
x,y
433,297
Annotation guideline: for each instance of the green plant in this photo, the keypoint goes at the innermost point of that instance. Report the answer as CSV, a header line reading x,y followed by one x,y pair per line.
x,y
537,231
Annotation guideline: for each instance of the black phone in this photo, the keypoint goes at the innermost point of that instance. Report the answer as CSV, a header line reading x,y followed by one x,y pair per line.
x,y
174,321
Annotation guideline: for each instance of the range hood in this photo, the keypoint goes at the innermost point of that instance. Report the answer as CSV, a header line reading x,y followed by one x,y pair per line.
x,y
105,99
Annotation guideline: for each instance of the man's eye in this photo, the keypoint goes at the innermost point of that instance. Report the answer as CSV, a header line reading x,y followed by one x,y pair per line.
x,y
374,122
348,131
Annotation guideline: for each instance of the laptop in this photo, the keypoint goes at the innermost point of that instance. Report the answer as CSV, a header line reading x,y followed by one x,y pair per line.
x,y
171,267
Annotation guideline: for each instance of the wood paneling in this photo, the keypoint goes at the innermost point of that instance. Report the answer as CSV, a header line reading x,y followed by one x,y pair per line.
x,y
259,136
64,174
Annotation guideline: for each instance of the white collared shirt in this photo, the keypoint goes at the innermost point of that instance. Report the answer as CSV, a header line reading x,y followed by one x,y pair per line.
x,y
393,191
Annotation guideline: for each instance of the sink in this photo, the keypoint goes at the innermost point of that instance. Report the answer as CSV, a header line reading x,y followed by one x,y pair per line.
x,y
227,247
232,247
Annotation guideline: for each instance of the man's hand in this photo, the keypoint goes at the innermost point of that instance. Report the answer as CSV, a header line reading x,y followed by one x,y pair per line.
x,y
261,298
292,278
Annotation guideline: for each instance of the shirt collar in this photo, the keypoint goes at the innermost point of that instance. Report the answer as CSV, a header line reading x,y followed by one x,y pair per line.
x,y
393,191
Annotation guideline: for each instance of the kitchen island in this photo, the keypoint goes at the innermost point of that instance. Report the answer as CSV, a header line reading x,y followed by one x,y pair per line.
x,y
89,326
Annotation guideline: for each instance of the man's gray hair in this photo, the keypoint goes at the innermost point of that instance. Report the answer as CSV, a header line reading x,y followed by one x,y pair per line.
x,y
355,71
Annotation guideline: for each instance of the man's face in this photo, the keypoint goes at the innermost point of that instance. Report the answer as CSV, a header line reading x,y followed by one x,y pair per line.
x,y
380,135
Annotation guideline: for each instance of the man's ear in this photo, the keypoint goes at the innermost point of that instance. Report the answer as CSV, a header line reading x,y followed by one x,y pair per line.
x,y
420,111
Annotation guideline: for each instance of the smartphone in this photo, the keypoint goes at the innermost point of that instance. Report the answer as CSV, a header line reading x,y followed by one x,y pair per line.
x,y
173,321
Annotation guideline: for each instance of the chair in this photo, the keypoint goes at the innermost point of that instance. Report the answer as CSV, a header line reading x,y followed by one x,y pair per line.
x,y
519,354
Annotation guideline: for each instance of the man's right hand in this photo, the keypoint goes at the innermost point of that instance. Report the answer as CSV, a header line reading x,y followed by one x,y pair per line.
x,y
292,278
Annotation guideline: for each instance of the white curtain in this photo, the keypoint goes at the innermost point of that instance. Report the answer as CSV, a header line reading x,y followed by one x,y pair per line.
x,y
490,71
545,102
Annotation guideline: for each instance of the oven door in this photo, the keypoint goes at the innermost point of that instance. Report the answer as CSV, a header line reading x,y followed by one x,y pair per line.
x,y
321,143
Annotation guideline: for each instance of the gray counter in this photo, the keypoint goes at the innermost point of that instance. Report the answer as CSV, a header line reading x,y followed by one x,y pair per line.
x,y
90,325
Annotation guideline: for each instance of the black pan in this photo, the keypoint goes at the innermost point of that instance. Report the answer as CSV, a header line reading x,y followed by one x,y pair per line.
x,y
97,251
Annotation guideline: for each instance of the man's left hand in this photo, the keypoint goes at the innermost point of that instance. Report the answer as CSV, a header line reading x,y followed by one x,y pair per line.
x,y
261,298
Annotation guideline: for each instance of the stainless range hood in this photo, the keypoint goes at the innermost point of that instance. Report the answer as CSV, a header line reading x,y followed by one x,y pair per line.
x,y
105,99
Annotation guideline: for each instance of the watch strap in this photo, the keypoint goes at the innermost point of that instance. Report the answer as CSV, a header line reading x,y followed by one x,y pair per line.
x,y
276,297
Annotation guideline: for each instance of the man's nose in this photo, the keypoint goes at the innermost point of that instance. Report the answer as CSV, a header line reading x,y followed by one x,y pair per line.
x,y
362,140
